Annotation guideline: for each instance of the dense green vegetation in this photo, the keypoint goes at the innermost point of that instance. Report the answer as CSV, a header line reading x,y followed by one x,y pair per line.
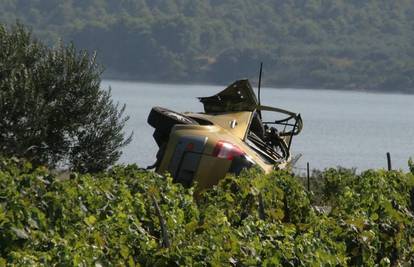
x,y
365,45
52,109
127,216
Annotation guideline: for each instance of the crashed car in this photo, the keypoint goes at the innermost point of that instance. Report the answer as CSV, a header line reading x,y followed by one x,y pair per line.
x,y
229,136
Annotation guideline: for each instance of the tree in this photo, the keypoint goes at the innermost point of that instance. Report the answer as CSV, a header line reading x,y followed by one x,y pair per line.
x,y
52,110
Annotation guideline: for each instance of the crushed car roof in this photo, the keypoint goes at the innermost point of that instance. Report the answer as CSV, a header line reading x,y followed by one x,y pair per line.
x,y
239,96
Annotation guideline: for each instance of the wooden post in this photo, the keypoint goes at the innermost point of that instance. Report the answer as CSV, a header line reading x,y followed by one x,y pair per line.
x,y
262,214
308,175
164,231
389,161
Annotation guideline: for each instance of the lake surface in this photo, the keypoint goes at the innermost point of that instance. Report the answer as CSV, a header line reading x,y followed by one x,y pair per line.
x,y
349,129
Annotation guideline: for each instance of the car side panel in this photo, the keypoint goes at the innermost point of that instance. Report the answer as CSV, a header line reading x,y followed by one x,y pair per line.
x,y
210,171
236,123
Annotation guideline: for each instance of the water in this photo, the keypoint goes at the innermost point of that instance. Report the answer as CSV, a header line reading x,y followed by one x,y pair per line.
x,y
349,129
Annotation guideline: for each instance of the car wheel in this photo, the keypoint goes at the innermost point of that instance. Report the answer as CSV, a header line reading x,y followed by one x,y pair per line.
x,y
163,120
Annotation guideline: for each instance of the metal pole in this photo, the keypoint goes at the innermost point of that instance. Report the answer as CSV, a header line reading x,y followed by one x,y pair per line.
x,y
308,175
291,136
260,82
389,161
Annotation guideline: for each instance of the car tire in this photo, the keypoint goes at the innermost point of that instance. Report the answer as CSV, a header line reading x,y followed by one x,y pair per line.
x,y
163,119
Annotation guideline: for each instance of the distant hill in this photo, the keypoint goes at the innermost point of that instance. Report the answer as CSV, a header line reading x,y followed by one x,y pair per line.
x,y
343,44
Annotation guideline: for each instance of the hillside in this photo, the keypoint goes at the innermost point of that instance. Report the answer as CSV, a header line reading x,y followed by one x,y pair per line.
x,y
362,45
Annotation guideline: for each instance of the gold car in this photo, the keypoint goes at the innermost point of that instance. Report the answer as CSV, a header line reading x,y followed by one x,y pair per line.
x,y
228,137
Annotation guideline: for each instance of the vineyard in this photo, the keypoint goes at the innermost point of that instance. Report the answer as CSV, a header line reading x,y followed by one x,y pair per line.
x,y
127,216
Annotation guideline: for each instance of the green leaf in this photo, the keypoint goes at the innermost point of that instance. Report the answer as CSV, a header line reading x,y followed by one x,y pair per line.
x,y
91,220
124,250
20,233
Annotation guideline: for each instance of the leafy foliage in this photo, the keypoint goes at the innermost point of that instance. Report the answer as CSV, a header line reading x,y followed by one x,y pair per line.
x,y
316,43
255,219
374,209
52,109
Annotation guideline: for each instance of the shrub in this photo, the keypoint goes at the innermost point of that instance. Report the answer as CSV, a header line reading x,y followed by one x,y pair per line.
x,y
52,110
125,215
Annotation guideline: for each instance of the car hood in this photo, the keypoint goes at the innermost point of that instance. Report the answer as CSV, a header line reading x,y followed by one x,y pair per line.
x,y
239,96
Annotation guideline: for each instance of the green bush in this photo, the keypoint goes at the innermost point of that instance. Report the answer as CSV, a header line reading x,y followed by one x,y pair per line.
x,y
127,216
375,213
52,110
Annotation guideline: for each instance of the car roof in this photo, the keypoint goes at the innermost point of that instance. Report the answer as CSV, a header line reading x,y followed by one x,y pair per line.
x,y
239,96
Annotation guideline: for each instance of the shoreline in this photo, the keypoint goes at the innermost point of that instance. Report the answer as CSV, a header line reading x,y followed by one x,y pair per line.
x,y
253,82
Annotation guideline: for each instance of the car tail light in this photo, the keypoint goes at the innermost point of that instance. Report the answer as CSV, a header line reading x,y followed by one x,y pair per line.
x,y
226,150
